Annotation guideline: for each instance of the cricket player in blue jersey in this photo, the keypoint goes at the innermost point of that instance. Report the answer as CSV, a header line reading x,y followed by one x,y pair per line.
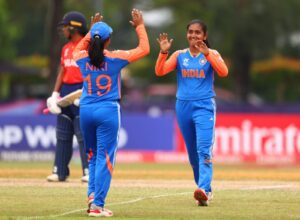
x,y
99,103
195,105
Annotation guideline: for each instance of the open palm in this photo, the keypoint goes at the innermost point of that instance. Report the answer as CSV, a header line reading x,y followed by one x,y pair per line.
x,y
164,42
137,17
96,18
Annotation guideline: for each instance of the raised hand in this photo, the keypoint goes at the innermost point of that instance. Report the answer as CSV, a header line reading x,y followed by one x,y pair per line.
x,y
96,18
202,47
137,17
164,43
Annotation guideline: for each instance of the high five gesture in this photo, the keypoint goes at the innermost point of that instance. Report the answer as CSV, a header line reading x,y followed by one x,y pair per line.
x,y
96,18
137,18
164,43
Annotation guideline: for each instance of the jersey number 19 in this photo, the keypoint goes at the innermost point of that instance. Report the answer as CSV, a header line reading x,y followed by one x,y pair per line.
x,y
103,88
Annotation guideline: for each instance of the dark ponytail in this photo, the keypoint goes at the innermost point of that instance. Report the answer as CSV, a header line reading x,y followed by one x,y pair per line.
x,y
204,28
96,49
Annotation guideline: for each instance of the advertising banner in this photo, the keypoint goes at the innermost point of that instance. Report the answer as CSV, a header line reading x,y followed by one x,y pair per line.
x,y
251,138
259,138
255,138
34,137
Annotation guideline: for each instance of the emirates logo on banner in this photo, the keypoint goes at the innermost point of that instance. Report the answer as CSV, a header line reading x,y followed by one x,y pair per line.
x,y
257,138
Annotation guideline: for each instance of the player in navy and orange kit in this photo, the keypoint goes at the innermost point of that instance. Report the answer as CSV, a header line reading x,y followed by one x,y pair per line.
x,y
99,103
69,79
195,105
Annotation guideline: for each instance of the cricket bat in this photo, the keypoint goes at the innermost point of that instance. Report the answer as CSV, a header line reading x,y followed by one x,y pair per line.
x,y
66,100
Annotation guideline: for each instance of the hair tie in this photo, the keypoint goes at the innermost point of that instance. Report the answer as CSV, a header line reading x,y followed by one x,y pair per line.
x,y
97,36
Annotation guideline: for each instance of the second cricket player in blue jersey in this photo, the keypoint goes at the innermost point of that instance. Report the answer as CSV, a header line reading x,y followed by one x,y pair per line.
x,y
195,105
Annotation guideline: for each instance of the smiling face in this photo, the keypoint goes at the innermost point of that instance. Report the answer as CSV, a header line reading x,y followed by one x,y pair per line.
x,y
195,33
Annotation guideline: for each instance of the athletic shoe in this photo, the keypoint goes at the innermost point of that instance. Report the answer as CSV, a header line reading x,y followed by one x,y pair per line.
x,y
55,178
201,197
85,178
97,211
90,201
210,198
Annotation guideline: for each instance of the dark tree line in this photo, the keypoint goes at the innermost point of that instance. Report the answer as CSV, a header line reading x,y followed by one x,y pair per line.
x,y
244,31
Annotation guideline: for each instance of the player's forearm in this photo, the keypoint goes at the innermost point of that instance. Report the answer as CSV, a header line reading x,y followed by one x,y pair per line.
x,y
142,49
59,80
82,47
144,45
160,69
163,65
217,63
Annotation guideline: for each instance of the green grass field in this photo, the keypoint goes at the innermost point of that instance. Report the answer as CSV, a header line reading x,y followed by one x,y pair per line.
x,y
152,191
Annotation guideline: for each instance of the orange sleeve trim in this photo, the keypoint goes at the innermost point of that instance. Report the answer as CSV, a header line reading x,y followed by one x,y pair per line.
x,y
80,50
217,63
108,163
140,51
164,66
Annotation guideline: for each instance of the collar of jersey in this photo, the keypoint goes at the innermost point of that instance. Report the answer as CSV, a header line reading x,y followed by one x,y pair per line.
x,y
192,55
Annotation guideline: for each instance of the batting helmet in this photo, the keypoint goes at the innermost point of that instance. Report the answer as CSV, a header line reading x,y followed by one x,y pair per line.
x,y
76,21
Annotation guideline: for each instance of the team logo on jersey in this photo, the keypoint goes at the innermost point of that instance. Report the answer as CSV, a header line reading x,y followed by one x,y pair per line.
x,y
202,61
70,62
185,62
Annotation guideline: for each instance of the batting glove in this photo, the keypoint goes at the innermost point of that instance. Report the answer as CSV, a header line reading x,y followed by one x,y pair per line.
x,y
52,103
76,102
